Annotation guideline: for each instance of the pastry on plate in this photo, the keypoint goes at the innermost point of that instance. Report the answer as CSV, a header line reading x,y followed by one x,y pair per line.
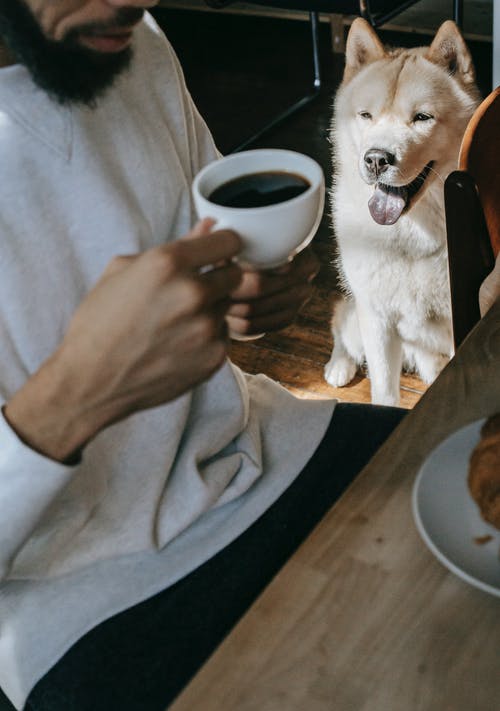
x,y
484,471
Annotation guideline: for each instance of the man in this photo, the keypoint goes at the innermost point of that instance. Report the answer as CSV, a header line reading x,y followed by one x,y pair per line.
x,y
149,489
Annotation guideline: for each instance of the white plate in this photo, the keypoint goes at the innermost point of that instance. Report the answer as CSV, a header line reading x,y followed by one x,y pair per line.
x,y
447,517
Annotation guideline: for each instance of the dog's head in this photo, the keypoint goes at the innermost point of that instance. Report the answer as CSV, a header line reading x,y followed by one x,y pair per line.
x,y
405,112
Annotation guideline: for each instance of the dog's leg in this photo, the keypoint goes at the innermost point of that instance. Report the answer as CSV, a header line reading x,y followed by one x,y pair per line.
x,y
384,357
428,364
347,346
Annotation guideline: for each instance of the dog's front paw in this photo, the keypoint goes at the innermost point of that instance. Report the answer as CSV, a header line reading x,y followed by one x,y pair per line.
x,y
340,371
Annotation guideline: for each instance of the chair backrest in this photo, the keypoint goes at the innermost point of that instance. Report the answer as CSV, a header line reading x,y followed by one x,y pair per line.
x,y
480,157
472,203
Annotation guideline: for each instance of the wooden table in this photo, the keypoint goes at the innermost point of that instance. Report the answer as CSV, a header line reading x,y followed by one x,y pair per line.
x,y
363,617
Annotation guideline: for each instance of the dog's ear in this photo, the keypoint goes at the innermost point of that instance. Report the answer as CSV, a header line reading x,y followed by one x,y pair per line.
x,y
362,47
448,50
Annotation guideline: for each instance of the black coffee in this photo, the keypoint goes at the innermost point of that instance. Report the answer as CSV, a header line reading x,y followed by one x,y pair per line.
x,y
259,189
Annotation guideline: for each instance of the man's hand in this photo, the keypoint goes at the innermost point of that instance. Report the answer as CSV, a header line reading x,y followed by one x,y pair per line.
x,y
151,329
270,300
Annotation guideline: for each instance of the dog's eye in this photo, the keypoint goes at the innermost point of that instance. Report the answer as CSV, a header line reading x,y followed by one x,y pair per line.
x,y
364,114
420,116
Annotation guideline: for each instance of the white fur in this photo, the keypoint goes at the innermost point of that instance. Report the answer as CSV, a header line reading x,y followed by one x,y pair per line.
x,y
396,305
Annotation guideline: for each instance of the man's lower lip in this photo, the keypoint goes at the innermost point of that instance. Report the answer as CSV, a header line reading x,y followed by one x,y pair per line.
x,y
107,43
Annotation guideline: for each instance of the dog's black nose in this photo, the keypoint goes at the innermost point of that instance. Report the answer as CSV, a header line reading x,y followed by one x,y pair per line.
x,y
377,160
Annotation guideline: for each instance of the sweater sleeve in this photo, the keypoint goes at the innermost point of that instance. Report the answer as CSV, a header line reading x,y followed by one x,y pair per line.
x,y
28,484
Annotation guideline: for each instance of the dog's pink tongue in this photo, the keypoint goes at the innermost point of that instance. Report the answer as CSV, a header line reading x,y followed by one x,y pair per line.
x,y
386,207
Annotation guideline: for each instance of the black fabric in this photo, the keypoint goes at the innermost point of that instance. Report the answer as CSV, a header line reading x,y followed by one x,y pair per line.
x,y
140,659
5,704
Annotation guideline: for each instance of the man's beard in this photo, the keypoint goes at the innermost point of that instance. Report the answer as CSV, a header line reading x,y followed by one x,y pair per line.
x,y
67,71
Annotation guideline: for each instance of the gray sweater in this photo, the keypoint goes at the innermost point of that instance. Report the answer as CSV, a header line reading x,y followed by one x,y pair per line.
x,y
159,493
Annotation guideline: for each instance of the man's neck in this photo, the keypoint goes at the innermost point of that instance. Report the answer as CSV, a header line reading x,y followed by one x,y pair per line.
x,y
5,56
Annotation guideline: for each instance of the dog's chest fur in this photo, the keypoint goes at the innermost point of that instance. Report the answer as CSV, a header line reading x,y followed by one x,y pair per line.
x,y
400,271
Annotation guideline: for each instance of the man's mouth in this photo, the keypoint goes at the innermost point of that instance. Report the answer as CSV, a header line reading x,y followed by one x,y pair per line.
x,y
107,41
388,202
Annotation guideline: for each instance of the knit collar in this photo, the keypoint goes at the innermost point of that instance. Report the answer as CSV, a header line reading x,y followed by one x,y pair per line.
x,y
35,110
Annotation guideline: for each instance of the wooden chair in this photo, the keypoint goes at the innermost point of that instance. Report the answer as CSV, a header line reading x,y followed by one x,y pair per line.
x,y
472,204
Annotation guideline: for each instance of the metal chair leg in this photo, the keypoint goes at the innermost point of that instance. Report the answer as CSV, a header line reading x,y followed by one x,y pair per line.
x,y
317,84
458,12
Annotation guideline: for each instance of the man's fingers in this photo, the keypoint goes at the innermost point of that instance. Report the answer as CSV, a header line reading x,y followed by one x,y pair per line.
x,y
205,250
119,263
259,284
271,322
220,282
282,301
201,228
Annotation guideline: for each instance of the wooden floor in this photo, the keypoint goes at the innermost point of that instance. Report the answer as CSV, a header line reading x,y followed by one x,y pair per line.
x,y
242,71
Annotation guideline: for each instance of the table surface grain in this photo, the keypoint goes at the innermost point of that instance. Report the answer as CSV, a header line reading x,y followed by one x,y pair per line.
x,y
363,617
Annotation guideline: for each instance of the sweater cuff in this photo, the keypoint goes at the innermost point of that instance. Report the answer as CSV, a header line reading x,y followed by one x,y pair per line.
x,y
29,482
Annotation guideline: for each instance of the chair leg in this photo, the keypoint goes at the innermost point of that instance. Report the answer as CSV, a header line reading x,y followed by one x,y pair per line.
x,y
296,106
337,33
458,12
314,17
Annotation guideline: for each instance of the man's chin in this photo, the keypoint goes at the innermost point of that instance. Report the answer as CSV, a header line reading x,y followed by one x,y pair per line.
x,y
83,78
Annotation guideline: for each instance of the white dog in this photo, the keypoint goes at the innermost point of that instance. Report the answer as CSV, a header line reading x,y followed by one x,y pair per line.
x,y
398,122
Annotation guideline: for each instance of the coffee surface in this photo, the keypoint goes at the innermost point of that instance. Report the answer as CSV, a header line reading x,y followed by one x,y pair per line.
x,y
259,189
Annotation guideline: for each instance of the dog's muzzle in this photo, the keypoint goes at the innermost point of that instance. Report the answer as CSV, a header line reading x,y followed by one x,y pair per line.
x,y
389,201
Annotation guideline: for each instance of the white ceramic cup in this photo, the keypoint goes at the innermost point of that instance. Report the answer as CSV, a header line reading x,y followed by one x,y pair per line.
x,y
271,234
